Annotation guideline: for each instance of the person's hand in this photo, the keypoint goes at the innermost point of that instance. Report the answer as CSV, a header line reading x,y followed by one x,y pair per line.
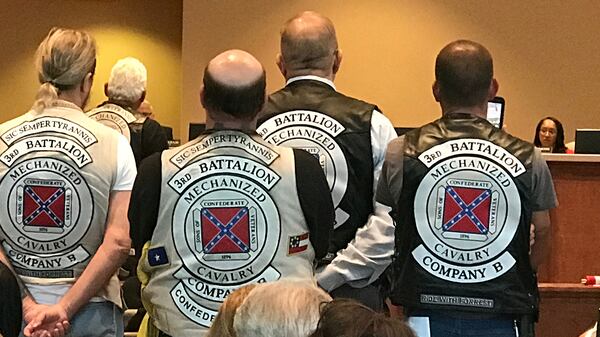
x,y
50,321
31,309
59,330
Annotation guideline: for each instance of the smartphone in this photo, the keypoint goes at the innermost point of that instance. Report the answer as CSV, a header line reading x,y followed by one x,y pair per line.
x,y
495,111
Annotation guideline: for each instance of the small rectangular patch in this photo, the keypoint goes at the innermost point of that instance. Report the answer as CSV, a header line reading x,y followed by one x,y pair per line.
x,y
457,300
157,256
44,273
298,243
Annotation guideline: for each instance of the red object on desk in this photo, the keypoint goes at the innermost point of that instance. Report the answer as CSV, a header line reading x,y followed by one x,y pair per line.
x,y
591,280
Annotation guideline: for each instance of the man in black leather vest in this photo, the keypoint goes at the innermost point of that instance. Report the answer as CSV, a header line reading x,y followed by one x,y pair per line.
x,y
346,135
464,194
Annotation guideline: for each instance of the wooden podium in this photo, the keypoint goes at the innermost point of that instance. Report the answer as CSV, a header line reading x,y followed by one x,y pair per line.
x,y
567,307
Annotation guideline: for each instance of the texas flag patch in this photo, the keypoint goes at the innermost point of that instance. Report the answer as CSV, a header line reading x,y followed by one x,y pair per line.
x,y
297,244
157,256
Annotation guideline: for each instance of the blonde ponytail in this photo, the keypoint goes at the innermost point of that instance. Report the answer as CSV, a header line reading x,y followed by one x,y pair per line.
x,y
62,61
47,93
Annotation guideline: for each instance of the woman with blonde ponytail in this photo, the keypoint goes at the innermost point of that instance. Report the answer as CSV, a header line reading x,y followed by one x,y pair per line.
x,y
67,181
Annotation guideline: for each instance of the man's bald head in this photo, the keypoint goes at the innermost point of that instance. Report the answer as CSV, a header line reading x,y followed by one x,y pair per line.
x,y
308,43
234,83
464,72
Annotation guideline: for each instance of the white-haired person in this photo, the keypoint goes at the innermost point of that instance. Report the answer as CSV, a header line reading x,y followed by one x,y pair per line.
x,y
282,308
65,182
126,90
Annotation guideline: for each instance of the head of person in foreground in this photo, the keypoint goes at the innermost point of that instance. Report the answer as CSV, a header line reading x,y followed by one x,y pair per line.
x,y
349,318
222,325
282,308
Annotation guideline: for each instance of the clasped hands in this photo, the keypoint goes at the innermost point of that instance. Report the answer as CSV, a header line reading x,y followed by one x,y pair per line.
x,y
45,320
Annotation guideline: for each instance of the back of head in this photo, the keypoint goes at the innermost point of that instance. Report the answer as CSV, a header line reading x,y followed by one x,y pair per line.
x,y
383,326
62,61
280,308
222,325
342,317
308,43
234,84
464,72
127,81
349,318
146,109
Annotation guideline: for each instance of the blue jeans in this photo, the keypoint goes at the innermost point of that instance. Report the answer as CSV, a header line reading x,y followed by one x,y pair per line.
x,y
97,319
441,326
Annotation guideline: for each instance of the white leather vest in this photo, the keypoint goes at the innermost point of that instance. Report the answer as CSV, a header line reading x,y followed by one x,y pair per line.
x,y
56,168
229,216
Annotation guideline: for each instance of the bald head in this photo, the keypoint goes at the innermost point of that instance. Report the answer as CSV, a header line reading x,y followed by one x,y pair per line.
x,y
308,43
146,109
234,83
464,73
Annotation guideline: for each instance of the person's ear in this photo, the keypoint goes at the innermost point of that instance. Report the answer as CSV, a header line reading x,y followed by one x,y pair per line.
x,y
202,98
280,64
435,89
494,86
86,84
140,100
337,60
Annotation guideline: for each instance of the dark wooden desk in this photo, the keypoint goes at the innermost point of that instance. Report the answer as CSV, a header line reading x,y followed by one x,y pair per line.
x,y
568,308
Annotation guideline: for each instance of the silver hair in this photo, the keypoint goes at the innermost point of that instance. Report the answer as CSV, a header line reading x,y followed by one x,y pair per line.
x,y
127,81
62,61
282,308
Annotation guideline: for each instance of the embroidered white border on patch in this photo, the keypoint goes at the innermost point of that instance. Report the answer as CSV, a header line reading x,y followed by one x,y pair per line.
x,y
315,133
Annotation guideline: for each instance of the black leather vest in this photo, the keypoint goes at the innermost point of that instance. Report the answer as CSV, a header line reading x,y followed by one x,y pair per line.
x,y
462,220
336,129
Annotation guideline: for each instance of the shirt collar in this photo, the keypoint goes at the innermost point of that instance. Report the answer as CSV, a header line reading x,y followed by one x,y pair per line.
x,y
313,78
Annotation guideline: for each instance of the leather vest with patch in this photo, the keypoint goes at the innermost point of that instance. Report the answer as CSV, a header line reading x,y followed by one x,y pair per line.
x,y
462,220
57,169
312,116
229,216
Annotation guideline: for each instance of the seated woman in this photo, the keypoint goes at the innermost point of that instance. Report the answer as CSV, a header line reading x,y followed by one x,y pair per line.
x,y
549,133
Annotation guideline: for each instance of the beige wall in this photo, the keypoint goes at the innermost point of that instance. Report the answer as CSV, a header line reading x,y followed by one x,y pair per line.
x,y
146,29
546,52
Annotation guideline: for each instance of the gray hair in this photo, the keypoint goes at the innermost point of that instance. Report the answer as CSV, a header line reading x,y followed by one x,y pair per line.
x,y
127,81
62,61
278,309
